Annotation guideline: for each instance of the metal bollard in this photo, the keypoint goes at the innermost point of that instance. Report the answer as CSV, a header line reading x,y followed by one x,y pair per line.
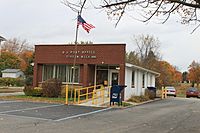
x,y
165,92
66,96
162,93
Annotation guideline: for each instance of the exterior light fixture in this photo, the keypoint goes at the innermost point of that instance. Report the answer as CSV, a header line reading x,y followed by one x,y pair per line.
x,y
118,68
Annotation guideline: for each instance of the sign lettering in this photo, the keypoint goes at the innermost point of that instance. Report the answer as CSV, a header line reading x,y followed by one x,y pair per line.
x,y
84,54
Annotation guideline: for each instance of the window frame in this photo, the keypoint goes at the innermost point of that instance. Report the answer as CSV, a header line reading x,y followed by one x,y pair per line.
x,y
68,73
133,79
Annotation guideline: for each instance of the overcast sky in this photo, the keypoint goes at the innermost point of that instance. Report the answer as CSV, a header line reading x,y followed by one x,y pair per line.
x,y
49,21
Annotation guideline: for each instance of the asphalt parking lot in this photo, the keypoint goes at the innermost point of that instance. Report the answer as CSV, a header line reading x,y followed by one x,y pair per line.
x,y
46,111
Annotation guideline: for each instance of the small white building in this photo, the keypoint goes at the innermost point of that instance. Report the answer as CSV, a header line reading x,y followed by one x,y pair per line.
x,y
137,79
12,73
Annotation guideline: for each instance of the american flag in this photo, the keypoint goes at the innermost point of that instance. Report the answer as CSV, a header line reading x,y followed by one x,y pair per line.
x,y
85,25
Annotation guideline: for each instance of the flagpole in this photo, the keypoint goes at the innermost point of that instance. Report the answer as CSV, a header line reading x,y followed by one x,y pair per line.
x,y
75,54
77,27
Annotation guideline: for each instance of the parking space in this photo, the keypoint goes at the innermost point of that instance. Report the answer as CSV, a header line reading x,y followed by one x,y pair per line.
x,y
46,111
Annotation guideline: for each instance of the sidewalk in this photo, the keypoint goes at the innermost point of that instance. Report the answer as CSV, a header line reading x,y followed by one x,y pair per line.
x,y
107,103
98,101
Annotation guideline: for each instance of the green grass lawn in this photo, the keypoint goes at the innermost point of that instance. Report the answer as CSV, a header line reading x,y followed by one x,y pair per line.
x,y
181,95
36,99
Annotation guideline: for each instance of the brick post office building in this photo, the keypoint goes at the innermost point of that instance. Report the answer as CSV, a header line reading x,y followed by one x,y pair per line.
x,y
94,64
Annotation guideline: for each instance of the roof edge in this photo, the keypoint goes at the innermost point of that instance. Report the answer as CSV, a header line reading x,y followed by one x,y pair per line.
x,y
141,68
94,44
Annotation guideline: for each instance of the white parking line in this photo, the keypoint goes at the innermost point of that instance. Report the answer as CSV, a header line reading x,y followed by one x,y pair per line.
x,y
26,117
10,111
84,114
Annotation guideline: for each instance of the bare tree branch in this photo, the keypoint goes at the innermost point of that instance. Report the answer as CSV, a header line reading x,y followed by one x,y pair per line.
x,y
82,5
118,3
197,5
187,10
155,11
195,29
121,15
185,3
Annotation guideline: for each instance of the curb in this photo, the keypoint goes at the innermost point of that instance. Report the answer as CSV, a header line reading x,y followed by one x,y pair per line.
x,y
142,103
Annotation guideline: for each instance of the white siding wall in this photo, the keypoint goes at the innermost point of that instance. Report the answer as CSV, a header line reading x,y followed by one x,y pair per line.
x,y
136,82
12,75
149,79
153,77
139,83
129,91
9,75
139,89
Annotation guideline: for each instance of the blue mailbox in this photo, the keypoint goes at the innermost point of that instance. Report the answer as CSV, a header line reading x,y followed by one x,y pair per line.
x,y
115,94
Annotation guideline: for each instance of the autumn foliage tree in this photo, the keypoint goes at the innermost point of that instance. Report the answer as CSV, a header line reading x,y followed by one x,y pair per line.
x,y
168,74
16,54
194,73
16,46
9,60
147,55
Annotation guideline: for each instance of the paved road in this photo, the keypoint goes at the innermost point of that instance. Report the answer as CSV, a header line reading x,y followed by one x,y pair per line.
x,y
173,115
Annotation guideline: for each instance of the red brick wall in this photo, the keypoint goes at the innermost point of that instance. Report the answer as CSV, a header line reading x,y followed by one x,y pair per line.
x,y
109,54
113,54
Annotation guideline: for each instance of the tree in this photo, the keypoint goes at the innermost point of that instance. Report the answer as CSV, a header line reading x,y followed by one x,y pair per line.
x,y
185,77
28,57
194,72
169,75
16,46
147,50
17,54
147,55
178,76
145,10
132,57
9,60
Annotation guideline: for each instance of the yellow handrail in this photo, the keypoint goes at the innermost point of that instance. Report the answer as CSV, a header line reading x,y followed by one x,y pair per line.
x,y
99,95
86,94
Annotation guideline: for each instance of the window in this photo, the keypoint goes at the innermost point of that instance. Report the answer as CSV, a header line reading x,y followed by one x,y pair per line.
x,y
133,80
151,82
47,72
102,75
60,72
73,73
63,72
143,80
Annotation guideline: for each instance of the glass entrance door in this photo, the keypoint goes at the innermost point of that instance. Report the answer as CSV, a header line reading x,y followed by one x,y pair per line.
x,y
102,76
114,78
